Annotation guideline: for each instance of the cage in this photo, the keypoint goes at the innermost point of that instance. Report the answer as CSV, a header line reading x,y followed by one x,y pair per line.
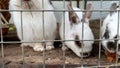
x,y
12,55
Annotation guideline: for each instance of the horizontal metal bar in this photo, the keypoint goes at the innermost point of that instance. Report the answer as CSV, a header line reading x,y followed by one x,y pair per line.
x,y
66,0
99,10
106,66
102,0
43,41
60,66
85,0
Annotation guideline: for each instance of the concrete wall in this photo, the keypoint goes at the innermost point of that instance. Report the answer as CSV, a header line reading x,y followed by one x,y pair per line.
x,y
105,6
59,5
96,4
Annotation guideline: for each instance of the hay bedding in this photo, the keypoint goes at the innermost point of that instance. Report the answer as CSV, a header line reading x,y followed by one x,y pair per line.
x,y
13,53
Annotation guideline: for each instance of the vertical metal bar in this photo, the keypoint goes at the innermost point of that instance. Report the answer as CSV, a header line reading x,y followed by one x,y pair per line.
x,y
63,41
23,60
43,43
82,65
118,29
3,58
2,55
99,57
23,56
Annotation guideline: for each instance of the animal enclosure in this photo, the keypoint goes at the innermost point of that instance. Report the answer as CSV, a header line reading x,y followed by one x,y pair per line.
x,y
12,55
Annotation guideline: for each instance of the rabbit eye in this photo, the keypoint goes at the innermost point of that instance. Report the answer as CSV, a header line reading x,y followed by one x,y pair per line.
x,y
77,41
82,20
115,36
74,20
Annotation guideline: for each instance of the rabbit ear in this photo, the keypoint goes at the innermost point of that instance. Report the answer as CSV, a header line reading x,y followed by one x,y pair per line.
x,y
113,8
88,12
73,18
50,2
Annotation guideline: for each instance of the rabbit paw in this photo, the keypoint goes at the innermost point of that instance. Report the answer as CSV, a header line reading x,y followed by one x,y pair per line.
x,y
38,47
25,44
49,46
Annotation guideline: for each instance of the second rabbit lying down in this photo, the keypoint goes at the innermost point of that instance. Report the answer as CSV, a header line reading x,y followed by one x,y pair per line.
x,y
77,29
29,24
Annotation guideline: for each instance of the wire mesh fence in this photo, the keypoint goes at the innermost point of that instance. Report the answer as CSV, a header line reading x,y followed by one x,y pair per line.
x,y
15,56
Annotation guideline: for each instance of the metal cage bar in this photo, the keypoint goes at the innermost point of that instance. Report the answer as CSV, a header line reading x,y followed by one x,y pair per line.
x,y
44,65
64,56
2,47
99,58
117,49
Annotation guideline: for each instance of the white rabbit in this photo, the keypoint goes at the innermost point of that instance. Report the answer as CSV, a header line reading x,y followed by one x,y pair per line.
x,y
77,28
110,29
30,25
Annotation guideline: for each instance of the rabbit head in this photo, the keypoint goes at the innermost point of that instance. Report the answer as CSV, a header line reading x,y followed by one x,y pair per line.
x,y
110,29
77,29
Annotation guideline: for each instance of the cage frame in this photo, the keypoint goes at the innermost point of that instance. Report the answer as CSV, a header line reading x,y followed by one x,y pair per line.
x,y
64,66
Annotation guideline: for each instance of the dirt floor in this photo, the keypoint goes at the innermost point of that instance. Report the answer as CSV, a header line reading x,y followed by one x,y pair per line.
x,y
13,54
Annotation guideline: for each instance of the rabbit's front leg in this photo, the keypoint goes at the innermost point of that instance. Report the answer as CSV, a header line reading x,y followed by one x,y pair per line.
x,y
38,47
26,44
49,46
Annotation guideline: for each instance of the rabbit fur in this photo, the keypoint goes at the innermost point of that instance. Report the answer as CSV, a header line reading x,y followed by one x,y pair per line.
x,y
29,24
110,29
73,31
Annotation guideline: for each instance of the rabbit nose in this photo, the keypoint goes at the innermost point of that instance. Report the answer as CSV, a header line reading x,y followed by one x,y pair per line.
x,y
111,45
